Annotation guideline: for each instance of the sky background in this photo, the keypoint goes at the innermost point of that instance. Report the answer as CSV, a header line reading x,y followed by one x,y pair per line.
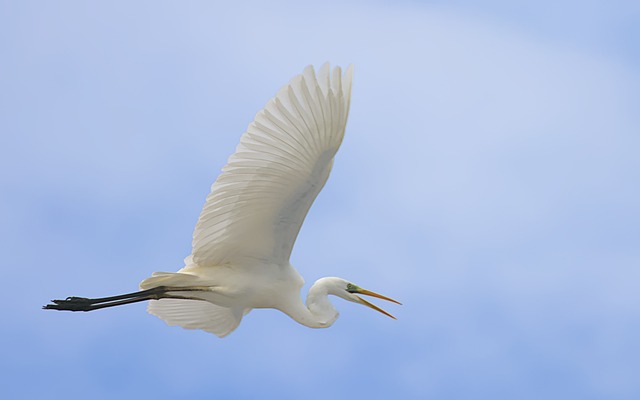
x,y
489,180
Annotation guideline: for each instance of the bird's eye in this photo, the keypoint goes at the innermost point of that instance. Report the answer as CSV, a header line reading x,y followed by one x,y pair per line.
x,y
351,288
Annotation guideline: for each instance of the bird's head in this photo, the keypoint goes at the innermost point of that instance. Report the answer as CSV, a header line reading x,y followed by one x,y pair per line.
x,y
350,292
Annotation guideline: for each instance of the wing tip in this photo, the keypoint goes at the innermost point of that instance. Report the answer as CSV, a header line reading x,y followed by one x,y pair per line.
x,y
327,78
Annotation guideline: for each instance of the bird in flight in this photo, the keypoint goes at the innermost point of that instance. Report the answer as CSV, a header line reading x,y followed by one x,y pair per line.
x,y
246,231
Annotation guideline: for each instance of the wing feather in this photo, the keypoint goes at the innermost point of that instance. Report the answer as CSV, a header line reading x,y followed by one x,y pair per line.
x,y
194,314
258,203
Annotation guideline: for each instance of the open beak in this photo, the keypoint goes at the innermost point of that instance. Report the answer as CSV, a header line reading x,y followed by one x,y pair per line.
x,y
374,294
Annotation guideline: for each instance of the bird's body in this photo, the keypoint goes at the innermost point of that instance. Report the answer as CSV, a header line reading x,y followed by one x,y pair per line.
x,y
239,289
246,231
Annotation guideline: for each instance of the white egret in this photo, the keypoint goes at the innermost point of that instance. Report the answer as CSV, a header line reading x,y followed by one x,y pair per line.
x,y
251,218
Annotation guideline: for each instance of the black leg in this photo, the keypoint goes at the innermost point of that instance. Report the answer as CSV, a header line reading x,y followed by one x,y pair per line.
x,y
86,304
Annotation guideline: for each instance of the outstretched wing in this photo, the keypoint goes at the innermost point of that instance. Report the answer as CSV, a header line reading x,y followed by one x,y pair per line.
x,y
258,203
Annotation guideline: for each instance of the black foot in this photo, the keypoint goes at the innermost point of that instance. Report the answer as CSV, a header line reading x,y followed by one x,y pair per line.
x,y
71,304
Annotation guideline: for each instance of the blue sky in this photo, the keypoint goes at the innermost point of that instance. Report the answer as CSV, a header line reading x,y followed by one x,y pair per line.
x,y
488,180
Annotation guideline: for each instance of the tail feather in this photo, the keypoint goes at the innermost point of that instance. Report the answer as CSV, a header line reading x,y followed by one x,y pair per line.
x,y
172,279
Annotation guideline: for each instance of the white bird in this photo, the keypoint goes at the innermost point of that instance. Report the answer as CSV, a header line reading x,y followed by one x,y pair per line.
x,y
251,218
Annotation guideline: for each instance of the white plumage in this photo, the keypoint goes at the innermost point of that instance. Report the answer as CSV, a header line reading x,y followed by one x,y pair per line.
x,y
248,226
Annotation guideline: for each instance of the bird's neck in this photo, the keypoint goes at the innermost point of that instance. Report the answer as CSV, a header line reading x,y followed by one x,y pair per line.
x,y
318,312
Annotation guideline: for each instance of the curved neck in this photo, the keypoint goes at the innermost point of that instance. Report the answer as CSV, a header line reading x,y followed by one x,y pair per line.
x,y
318,312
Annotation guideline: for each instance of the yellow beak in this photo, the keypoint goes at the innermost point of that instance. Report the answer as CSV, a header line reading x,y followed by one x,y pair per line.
x,y
374,294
